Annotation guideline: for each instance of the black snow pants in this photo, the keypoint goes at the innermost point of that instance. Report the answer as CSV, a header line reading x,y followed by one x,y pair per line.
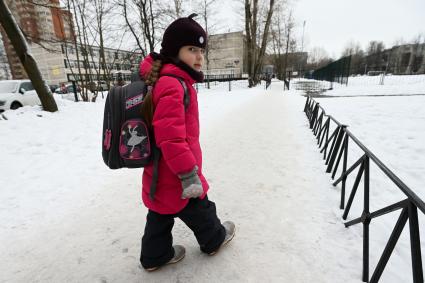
x,y
199,215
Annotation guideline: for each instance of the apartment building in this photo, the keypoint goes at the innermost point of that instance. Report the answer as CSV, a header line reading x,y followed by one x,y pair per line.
x,y
50,34
406,59
4,63
44,26
227,54
119,64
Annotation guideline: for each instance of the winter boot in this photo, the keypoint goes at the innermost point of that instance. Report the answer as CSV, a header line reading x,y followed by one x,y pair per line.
x,y
230,233
179,253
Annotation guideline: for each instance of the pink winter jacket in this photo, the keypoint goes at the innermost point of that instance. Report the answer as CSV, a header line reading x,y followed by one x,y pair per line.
x,y
177,135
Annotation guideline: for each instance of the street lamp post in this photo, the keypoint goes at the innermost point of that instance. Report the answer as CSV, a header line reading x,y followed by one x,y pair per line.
x,y
302,50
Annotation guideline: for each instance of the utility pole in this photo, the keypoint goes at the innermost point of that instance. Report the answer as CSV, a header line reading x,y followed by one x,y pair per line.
x,y
302,50
302,39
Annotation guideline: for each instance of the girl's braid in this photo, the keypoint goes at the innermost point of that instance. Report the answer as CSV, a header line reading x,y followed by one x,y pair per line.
x,y
147,105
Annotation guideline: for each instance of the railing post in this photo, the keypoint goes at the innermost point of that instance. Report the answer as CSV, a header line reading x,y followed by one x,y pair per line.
x,y
415,244
344,168
366,221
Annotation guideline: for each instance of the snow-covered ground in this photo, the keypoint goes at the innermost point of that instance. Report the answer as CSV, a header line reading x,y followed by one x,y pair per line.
x,y
370,86
65,217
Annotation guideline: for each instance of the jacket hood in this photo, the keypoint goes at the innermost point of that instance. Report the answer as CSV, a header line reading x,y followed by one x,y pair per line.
x,y
168,68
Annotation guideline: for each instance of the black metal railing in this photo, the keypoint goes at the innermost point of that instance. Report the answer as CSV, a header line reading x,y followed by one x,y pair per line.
x,y
334,146
222,77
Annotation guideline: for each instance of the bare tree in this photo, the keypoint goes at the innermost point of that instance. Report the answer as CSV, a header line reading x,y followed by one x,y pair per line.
x,y
399,41
19,43
178,8
146,15
256,38
318,57
282,39
79,39
206,8
289,25
374,52
92,30
101,12
375,46
142,18
87,23
130,24
354,50
170,12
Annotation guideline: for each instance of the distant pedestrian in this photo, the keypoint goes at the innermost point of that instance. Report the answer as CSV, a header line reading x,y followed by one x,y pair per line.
x,y
63,88
286,84
181,188
268,80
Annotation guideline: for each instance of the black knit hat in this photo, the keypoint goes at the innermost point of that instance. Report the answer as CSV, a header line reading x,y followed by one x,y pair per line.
x,y
181,32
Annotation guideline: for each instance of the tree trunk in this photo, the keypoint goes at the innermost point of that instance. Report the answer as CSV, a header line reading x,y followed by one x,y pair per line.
x,y
286,54
255,54
259,60
21,48
130,26
205,6
77,45
248,18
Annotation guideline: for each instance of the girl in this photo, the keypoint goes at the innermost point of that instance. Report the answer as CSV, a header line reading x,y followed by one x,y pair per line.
x,y
181,188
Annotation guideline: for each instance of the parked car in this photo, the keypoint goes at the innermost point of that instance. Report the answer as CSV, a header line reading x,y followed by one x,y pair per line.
x,y
68,88
67,92
17,93
53,88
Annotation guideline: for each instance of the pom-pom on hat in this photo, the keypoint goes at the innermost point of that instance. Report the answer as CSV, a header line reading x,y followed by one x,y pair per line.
x,y
182,32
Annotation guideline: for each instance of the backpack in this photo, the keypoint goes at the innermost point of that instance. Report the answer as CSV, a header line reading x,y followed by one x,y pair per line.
x,y
127,141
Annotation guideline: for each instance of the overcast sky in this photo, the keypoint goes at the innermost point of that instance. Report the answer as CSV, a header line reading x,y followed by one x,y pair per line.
x,y
332,23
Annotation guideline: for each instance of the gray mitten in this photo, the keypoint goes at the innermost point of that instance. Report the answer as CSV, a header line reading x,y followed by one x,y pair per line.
x,y
191,184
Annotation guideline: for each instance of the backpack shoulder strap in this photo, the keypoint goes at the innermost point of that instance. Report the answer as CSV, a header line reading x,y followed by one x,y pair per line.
x,y
156,151
186,98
